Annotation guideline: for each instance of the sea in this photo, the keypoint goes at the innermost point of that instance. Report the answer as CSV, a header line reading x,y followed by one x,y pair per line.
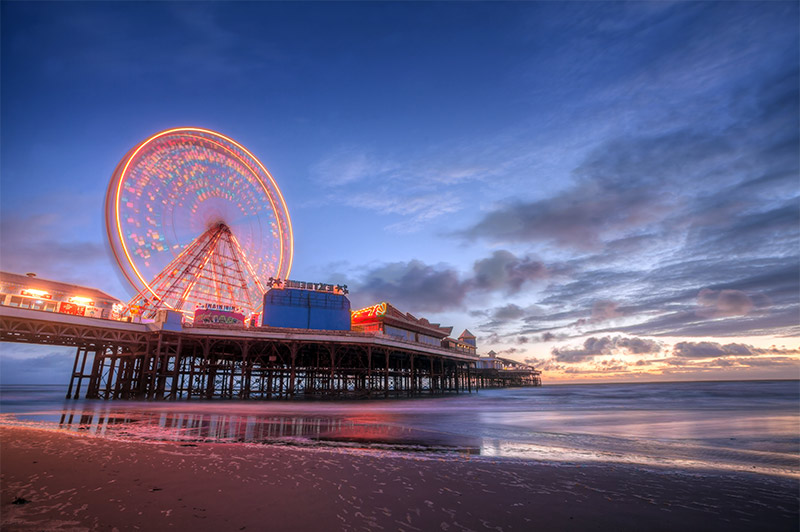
x,y
749,426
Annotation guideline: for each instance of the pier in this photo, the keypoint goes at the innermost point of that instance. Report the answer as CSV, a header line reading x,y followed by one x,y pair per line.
x,y
506,378
123,360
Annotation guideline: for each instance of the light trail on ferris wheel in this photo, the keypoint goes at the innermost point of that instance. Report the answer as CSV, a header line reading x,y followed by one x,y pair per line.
x,y
194,218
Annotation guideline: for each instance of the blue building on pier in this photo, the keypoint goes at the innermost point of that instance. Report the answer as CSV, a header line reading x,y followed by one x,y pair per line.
x,y
306,309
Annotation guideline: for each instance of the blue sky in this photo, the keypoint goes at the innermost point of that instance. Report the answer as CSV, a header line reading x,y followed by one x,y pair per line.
x,y
608,190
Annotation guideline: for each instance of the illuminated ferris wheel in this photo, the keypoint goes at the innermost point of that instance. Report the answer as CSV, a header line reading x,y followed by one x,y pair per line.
x,y
194,219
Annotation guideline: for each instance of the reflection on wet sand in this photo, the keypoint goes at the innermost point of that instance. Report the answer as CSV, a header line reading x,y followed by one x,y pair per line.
x,y
276,429
747,426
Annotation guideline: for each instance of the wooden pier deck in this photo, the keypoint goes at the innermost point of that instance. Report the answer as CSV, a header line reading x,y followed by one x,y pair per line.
x,y
120,360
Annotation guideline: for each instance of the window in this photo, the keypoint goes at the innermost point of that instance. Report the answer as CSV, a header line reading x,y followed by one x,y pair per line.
x,y
37,304
398,333
425,339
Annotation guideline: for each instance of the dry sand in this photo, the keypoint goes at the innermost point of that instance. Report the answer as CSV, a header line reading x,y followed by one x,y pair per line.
x,y
81,482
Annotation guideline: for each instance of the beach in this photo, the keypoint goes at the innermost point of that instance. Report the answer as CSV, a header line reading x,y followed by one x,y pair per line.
x,y
77,481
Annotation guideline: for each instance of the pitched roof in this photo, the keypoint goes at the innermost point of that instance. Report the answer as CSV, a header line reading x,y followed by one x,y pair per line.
x,y
54,286
394,317
510,362
466,334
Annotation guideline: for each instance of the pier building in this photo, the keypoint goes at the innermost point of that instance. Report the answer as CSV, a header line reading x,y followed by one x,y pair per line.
x,y
30,291
311,346
306,309
385,319
492,371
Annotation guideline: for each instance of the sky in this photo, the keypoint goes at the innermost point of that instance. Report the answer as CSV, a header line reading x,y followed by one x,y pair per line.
x,y
608,191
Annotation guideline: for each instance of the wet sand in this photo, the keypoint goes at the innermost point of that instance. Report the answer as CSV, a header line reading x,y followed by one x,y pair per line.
x,y
81,482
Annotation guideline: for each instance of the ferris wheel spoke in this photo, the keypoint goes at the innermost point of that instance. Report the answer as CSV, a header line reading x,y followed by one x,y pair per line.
x,y
202,258
247,264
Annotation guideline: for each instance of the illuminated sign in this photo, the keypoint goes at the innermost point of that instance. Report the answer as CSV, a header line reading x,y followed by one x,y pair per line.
x,y
93,312
304,285
72,308
375,311
81,300
210,316
217,306
30,292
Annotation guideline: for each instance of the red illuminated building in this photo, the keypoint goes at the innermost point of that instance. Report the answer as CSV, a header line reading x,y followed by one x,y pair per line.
x,y
385,319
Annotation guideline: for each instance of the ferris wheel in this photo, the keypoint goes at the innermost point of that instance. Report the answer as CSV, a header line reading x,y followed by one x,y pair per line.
x,y
193,219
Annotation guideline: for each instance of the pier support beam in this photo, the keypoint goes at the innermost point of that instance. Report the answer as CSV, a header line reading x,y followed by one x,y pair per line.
x,y
173,365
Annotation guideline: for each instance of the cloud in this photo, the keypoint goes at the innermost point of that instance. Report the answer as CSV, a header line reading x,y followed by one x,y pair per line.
x,y
599,355
592,347
349,165
417,190
551,337
664,300
73,258
36,365
621,188
605,310
415,209
789,362
596,346
767,228
682,219
613,365
579,218
602,310
412,286
505,271
508,312
722,303
687,323
778,362
638,346
714,349
511,351
689,229
422,287
544,364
